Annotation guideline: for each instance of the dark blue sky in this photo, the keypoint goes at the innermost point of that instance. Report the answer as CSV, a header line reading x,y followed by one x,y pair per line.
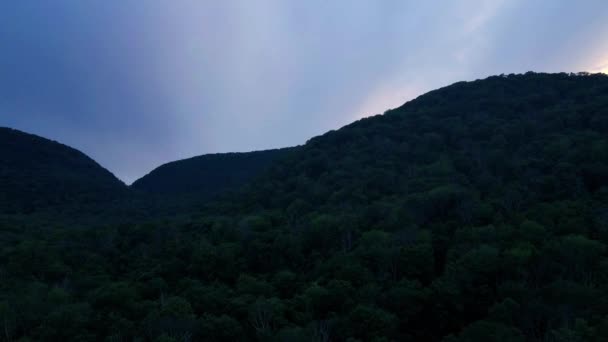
x,y
136,83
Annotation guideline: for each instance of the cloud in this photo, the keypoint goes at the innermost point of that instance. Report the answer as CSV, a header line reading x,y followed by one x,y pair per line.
x,y
137,84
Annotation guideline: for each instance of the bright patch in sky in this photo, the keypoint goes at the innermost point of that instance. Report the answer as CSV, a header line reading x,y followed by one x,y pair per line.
x,y
603,68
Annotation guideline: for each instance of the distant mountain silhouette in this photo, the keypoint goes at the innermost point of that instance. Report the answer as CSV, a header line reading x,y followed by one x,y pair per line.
x,y
41,175
207,175
38,173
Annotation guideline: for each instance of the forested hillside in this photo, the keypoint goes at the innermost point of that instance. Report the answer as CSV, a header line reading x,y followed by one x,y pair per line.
x,y
207,175
476,212
44,182
38,174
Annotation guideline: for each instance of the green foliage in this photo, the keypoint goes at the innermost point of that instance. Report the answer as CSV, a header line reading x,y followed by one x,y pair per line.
x,y
477,212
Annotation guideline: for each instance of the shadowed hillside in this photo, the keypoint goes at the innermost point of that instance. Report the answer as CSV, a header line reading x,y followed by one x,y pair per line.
x,y
476,212
37,174
56,182
208,174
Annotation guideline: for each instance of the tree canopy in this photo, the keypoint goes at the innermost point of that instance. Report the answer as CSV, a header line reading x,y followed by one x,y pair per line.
x,y
476,212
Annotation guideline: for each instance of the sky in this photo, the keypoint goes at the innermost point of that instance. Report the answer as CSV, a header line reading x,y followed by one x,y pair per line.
x,y
135,84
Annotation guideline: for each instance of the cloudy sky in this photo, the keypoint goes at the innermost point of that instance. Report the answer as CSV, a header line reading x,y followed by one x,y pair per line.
x,y
136,83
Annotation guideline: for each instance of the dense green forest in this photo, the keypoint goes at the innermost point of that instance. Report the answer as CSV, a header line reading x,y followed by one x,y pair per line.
x,y
476,212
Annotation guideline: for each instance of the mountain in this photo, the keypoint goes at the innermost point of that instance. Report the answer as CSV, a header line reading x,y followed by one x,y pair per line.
x,y
207,175
535,137
475,212
38,174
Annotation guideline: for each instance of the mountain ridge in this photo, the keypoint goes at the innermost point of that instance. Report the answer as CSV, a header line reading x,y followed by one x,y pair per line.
x,y
476,212
199,173
28,159
37,173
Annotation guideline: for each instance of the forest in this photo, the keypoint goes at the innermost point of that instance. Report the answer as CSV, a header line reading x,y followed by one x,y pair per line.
x,y
475,212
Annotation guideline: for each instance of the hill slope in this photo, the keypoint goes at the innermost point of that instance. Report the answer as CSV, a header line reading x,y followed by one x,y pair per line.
x,y
476,212
207,175
37,173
